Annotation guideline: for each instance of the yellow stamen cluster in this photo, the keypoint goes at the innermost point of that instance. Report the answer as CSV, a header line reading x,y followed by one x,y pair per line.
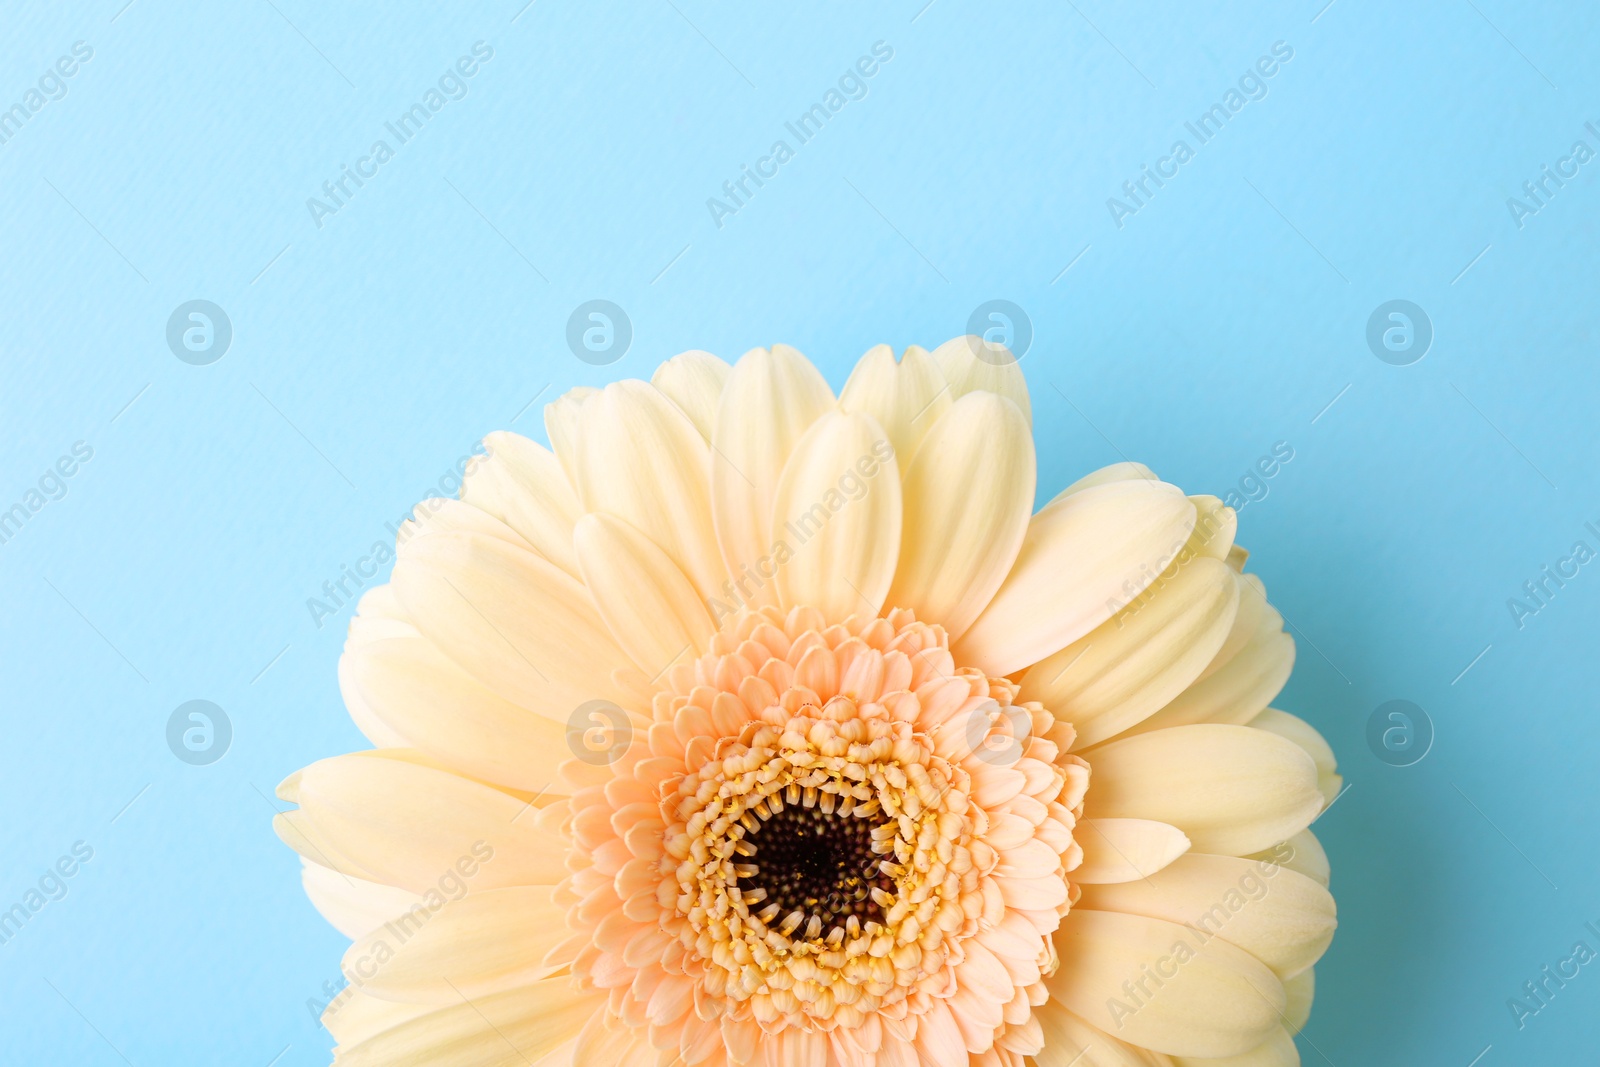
x,y
843,762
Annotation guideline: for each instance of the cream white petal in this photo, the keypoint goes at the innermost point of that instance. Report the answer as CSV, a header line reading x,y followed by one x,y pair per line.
x,y
838,507
1238,690
295,829
971,364
507,1029
483,942
380,602
379,616
523,484
1214,999
561,419
353,1016
520,625
433,705
1255,615
641,459
1276,1051
1300,852
384,818
1126,471
1306,736
772,397
694,381
1280,917
1142,658
607,1041
364,629
354,906
1121,850
439,514
1082,560
1232,789
371,725
1300,989
905,396
1215,527
651,608
966,504
1071,1042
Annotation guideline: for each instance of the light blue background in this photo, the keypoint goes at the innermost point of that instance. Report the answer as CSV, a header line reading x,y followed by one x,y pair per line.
x,y
370,354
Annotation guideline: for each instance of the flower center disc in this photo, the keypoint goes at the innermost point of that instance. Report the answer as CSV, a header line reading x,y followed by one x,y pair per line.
x,y
818,867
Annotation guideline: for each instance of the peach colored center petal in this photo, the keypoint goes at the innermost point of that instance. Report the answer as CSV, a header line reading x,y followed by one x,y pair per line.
x,y
827,828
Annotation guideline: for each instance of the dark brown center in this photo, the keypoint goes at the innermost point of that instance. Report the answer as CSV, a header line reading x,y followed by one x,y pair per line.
x,y
818,864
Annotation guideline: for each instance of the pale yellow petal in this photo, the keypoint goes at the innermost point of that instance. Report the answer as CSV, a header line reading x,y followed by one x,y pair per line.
x,y
694,380
439,514
353,1016
523,484
483,942
1282,918
507,1029
433,705
967,498
514,621
1301,989
606,1041
1215,527
770,400
1300,852
1232,789
295,829
354,906
641,459
905,396
995,372
1207,997
1130,666
380,602
1276,1051
1083,559
394,821
1255,615
1126,471
838,507
561,419
1239,689
1071,1042
1306,736
651,608
1120,850
368,721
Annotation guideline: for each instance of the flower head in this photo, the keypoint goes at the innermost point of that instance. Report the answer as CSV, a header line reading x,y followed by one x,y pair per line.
x,y
748,725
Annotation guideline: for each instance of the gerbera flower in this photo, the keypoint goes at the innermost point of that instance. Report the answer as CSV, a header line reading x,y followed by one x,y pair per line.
x,y
751,725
